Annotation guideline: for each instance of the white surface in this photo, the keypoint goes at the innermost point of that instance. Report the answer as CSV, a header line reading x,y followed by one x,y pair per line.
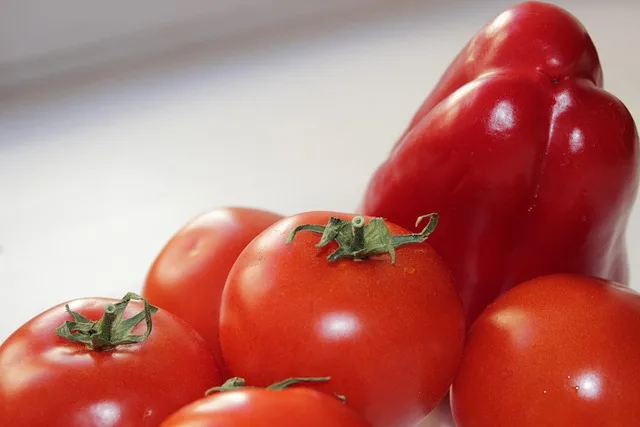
x,y
95,177
40,38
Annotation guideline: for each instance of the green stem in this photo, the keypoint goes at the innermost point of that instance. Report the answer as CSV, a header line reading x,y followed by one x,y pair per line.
x,y
359,241
103,335
357,224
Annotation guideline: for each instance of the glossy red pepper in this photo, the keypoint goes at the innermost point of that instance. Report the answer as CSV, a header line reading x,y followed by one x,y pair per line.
x,y
532,166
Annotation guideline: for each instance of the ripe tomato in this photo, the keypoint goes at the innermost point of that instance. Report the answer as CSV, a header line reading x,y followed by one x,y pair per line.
x,y
47,380
559,350
188,275
250,407
390,335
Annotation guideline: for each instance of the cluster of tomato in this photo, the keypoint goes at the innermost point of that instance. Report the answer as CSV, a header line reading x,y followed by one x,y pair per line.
x,y
517,306
241,297
321,319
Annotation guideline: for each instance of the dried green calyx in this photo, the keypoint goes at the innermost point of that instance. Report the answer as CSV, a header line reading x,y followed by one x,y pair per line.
x,y
358,241
237,383
112,329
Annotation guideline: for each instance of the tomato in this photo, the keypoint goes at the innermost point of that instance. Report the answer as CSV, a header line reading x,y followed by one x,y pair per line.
x,y
559,350
188,275
251,407
47,380
390,335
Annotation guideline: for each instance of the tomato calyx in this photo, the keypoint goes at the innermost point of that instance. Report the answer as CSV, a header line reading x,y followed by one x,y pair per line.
x,y
112,329
358,241
237,383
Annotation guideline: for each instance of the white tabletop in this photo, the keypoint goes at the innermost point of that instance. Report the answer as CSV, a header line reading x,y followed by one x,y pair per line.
x,y
96,175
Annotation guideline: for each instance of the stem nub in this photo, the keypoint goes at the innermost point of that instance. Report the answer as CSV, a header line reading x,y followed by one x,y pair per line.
x,y
358,241
357,225
112,329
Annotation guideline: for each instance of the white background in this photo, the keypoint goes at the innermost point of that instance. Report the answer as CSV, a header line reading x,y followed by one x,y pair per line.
x,y
100,166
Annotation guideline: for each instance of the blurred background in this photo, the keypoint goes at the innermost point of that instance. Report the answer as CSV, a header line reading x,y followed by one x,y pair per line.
x,y
119,121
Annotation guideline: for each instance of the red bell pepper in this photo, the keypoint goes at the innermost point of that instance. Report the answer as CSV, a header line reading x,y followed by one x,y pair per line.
x,y
532,166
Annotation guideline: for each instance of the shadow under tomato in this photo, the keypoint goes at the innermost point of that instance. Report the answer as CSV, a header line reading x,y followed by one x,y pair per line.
x,y
440,416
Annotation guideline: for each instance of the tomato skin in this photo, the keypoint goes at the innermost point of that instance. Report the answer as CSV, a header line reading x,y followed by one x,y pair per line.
x,y
559,350
390,336
46,380
293,407
188,275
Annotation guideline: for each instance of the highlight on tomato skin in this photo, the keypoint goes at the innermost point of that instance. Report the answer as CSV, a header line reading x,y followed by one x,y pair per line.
x,y
558,350
289,403
388,328
188,274
102,362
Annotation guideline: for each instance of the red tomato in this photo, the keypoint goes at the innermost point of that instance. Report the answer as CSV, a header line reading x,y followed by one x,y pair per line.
x,y
390,336
560,350
251,407
46,380
188,275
